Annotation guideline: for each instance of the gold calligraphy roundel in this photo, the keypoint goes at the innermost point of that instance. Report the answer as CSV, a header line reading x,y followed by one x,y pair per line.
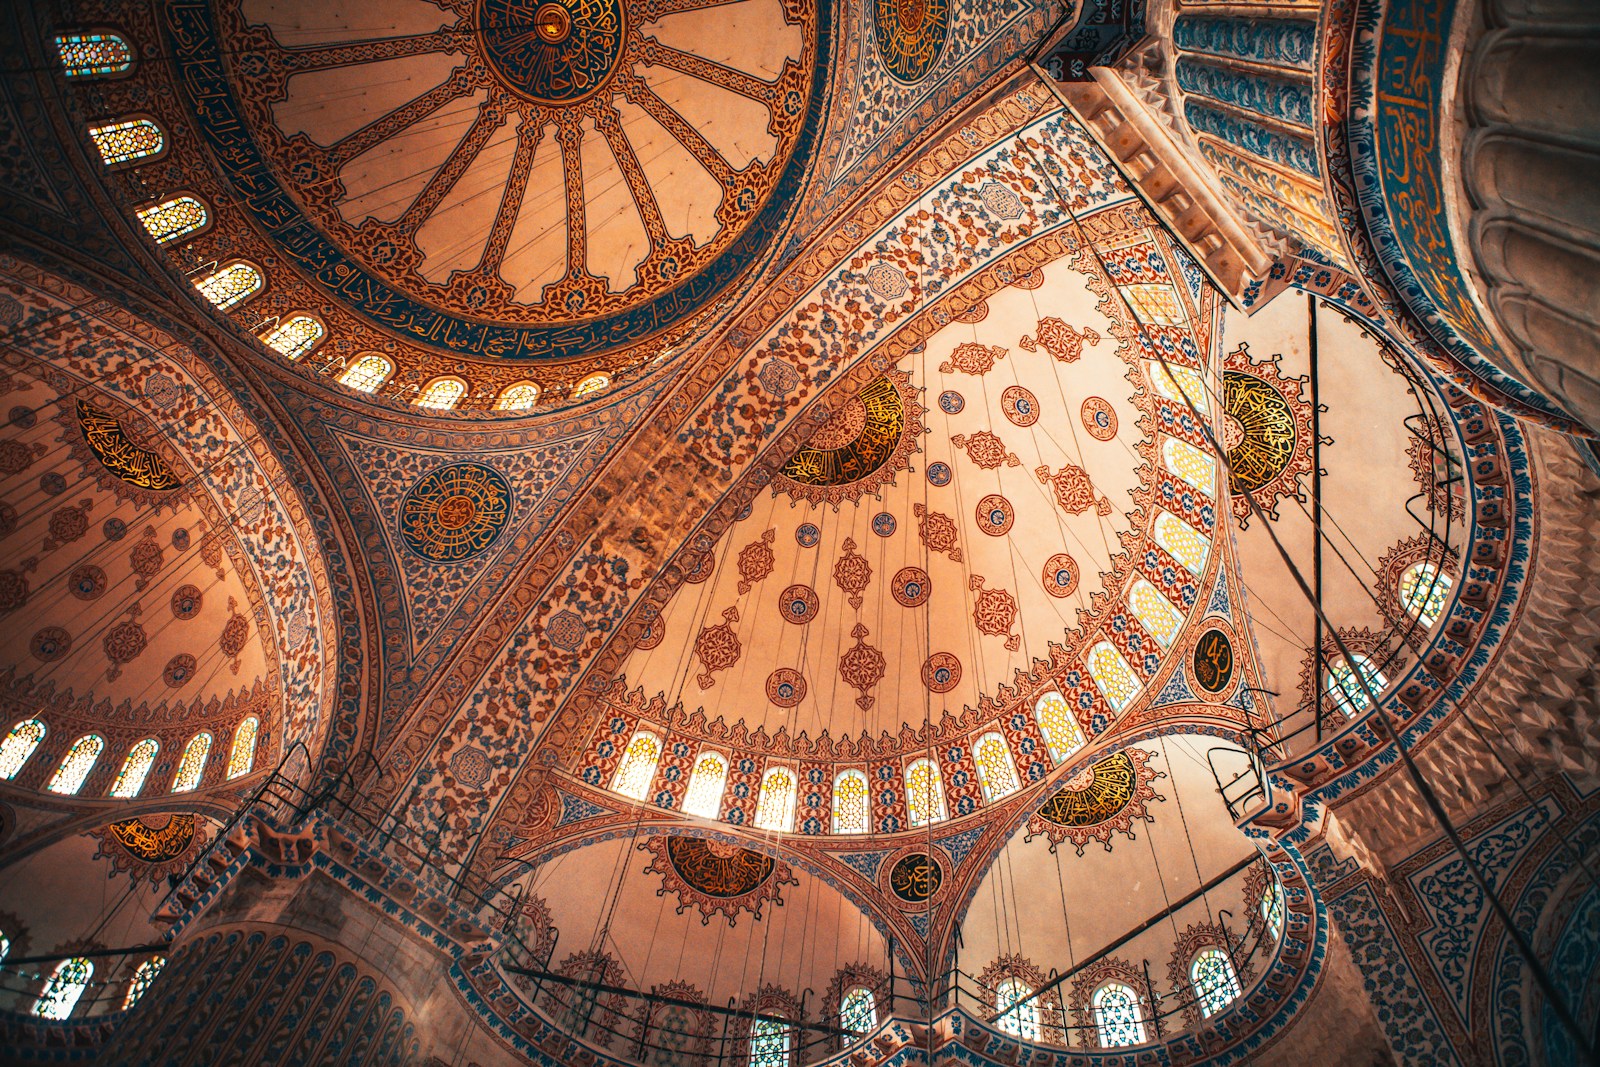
x,y
455,512
1258,431
1213,661
717,869
861,447
915,877
911,35
1098,793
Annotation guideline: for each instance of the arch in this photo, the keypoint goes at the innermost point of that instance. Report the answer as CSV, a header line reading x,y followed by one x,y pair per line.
x,y
924,793
175,217
296,335
769,1043
1215,983
128,140
100,54
706,784
594,383
441,394
1117,1019
135,769
519,396
1423,590
1178,383
232,284
1343,684
242,757
638,767
858,1010
1154,611
850,802
76,765
775,806
1112,675
996,773
147,972
1190,464
19,745
192,765
1062,734
1019,1019
65,986
1185,544
367,373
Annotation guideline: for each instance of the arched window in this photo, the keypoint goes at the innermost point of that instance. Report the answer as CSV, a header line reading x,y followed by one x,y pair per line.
x,y
441,394
1112,674
710,776
367,373
1190,464
93,55
192,765
126,141
295,336
858,1012
1175,385
1020,1019
66,985
769,1043
130,779
1215,984
1272,909
850,815
1062,734
231,285
1154,611
1344,684
638,766
5,946
77,764
594,383
1423,590
924,793
18,746
518,397
173,218
995,773
1116,1016
775,807
1182,541
242,756
141,980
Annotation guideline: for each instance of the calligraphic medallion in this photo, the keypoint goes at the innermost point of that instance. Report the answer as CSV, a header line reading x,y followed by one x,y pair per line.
x,y
716,876
111,445
553,51
155,844
862,445
1101,799
1213,661
151,846
915,877
1266,433
455,512
911,35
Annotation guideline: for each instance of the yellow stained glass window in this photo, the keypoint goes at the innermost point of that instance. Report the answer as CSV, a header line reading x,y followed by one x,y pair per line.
x,y
441,394
76,764
1154,611
1112,674
638,766
704,796
242,756
1185,543
518,397
367,373
89,55
1168,385
1344,684
295,336
775,807
995,773
850,814
192,765
232,285
147,972
924,793
1062,734
594,383
171,219
1190,464
130,779
123,142
66,985
19,744
1423,590
1154,303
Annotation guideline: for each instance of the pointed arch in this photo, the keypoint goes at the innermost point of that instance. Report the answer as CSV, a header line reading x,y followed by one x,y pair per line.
x,y
135,769
76,765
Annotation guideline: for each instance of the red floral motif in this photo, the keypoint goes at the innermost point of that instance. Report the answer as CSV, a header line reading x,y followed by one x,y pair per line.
x,y
986,450
995,515
798,604
146,558
718,647
852,572
1020,406
235,632
67,524
941,673
938,532
994,612
756,561
1074,492
972,358
862,667
1099,418
1059,339
124,643
911,587
1060,575
786,687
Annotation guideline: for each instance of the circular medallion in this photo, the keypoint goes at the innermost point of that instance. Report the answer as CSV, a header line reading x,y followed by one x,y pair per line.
x,y
951,402
718,869
1258,430
807,535
939,473
186,601
1099,418
995,515
653,634
915,877
1060,575
471,767
697,566
911,587
1019,405
179,669
87,582
50,643
114,529
786,687
553,51
1095,794
1213,661
798,604
455,512
860,447
883,524
911,35
941,673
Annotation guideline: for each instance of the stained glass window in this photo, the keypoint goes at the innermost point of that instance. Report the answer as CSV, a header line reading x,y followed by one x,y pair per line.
x,y
594,383
1021,1020
673,1035
19,745
77,764
517,397
121,142
192,766
141,980
88,55
1344,684
1154,303
858,1012
367,373
1215,984
1168,385
242,756
235,283
924,793
1111,673
173,218
130,779
295,336
1183,541
775,807
850,803
441,394
1190,464
66,985
1062,734
769,1043
1116,1016
5,946
1155,612
638,766
1422,592
1272,908
704,796
995,773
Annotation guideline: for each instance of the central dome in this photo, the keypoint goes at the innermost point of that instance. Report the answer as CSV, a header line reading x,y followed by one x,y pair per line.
x,y
553,51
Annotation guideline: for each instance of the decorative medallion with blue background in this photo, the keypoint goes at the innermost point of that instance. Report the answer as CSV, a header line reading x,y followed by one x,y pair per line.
x,y
911,35
455,512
